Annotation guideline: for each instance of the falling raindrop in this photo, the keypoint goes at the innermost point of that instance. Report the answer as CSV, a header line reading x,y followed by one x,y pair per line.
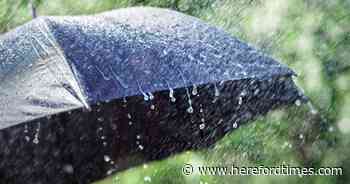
x,y
153,107
27,138
36,136
171,95
130,123
129,116
301,136
194,90
220,121
201,110
256,91
151,96
190,109
25,128
68,168
331,129
312,108
234,125
240,100
244,92
145,97
138,137
217,92
141,147
106,158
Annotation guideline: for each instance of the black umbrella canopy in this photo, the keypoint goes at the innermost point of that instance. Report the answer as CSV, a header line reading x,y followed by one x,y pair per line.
x,y
81,97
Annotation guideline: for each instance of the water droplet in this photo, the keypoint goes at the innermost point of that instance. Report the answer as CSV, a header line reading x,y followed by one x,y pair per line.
x,y
141,147
240,100
312,108
68,168
331,129
217,92
129,116
36,136
234,125
130,122
106,158
151,97
202,120
220,121
138,137
190,109
153,107
27,138
124,100
25,128
171,95
256,91
145,97
301,136
194,90
244,92
36,140
202,126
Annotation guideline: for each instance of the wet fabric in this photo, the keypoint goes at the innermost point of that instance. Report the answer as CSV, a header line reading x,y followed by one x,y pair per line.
x,y
55,64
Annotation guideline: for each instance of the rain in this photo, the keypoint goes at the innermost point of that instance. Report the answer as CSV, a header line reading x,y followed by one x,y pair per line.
x,y
122,91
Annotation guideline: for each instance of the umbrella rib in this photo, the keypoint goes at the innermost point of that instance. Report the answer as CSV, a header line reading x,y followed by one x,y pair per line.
x,y
79,91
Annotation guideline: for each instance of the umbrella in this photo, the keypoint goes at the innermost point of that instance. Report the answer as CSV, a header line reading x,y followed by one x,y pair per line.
x,y
84,96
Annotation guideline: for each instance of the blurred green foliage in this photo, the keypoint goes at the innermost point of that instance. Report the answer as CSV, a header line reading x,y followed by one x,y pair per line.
x,y
310,36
